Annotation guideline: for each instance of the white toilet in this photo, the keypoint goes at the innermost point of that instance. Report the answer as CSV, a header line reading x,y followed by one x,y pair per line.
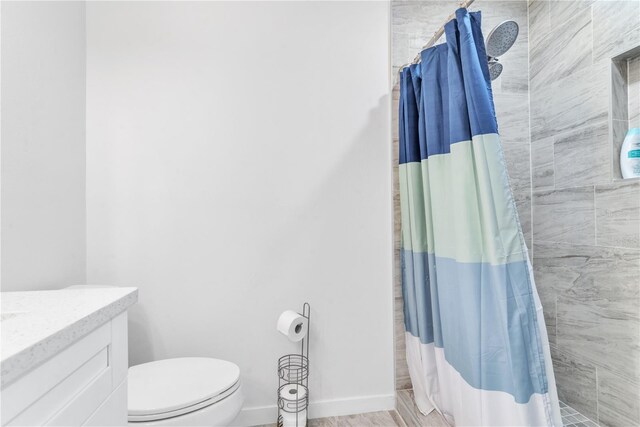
x,y
188,391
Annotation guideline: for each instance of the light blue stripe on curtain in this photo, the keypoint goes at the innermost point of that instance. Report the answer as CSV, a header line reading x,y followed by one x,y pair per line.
x,y
485,330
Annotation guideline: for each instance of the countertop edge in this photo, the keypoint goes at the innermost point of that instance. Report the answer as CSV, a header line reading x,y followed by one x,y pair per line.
x,y
18,364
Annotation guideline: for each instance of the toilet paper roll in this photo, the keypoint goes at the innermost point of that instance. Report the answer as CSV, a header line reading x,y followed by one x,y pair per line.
x,y
292,392
293,398
292,325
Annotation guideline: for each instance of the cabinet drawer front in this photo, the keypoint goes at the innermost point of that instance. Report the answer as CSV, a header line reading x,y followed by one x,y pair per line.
x,y
41,392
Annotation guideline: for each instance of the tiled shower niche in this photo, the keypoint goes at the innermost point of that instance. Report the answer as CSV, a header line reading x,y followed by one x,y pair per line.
x,y
625,100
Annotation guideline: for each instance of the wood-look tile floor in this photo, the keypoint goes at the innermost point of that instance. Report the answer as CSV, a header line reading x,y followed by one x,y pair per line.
x,y
382,419
406,415
379,419
412,417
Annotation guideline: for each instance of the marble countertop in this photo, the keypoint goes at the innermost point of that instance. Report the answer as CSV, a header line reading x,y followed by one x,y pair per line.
x,y
36,325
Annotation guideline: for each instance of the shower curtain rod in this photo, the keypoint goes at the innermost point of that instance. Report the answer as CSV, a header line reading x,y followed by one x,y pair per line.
x,y
439,32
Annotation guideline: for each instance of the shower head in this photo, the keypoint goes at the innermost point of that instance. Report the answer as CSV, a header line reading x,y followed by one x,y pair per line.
x,y
501,38
495,69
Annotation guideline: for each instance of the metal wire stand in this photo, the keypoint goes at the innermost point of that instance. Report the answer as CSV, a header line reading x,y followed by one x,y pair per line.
x,y
293,382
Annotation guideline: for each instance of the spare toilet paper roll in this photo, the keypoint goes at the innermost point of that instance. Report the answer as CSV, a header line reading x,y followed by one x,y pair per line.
x,y
292,325
293,398
293,392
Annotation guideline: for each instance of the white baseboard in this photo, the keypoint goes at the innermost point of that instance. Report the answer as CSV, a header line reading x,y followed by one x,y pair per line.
x,y
325,408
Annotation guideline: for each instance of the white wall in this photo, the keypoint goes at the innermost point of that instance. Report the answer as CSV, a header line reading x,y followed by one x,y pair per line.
x,y
238,164
43,145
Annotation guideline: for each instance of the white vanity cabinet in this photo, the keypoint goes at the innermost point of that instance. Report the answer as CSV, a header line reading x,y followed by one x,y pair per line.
x,y
82,384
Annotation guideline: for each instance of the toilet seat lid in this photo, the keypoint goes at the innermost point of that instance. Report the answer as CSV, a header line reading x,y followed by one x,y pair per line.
x,y
173,384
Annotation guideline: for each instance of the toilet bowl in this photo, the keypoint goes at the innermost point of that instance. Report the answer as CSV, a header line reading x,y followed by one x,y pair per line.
x,y
188,391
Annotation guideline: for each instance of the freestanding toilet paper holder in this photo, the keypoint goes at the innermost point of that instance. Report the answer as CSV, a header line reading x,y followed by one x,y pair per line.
x,y
293,382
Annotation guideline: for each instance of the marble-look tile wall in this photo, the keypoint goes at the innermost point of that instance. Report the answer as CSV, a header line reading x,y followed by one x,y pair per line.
x,y
586,220
413,24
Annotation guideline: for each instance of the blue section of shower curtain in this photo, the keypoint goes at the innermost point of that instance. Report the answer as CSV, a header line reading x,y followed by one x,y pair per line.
x,y
454,107
465,308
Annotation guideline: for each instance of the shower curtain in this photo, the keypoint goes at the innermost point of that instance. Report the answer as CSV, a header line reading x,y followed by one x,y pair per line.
x,y
477,347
